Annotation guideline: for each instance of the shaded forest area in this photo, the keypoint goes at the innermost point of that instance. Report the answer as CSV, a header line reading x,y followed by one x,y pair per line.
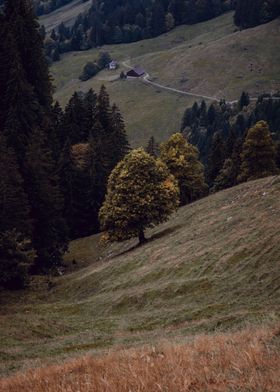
x,y
48,195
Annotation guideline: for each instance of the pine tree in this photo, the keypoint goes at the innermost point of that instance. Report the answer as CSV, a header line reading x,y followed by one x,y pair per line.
x,y
74,125
141,193
243,101
25,29
227,176
152,147
216,158
22,111
16,258
4,68
14,205
258,157
182,160
50,231
118,137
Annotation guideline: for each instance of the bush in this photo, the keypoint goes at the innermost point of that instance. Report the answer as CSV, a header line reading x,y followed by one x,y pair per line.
x,y
16,257
90,70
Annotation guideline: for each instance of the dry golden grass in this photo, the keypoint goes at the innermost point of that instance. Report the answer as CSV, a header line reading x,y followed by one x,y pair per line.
x,y
240,361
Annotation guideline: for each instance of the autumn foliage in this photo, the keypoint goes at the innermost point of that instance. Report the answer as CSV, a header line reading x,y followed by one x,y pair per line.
x,y
240,361
141,193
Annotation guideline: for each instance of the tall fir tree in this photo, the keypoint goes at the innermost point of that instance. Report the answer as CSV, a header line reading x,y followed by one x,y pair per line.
x,y
14,204
25,28
216,158
50,237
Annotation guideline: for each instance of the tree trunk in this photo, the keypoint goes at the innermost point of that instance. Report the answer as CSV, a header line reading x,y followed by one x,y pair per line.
x,y
141,236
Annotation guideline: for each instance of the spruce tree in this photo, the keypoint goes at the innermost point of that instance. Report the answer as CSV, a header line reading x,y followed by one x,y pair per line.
x,y
227,176
29,42
118,137
258,157
216,158
16,258
14,205
50,232
152,147
74,125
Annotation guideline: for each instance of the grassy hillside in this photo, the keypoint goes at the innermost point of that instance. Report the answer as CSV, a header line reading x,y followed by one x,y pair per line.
x,y
209,58
66,14
213,267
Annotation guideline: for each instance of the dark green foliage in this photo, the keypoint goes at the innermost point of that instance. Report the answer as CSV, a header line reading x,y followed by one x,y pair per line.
x,y
90,70
14,205
244,100
200,124
116,21
152,147
50,231
16,258
227,176
96,142
25,29
216,158
250,13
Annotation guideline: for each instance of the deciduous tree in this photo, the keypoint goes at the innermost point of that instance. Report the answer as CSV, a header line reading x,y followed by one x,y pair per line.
x,y
182,160
141,193
258,157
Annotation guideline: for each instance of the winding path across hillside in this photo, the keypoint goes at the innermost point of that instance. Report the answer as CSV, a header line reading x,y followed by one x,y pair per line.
x,y
147,79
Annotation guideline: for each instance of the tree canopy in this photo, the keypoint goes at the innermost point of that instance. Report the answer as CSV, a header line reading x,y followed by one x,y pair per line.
x,y
182,159
141,193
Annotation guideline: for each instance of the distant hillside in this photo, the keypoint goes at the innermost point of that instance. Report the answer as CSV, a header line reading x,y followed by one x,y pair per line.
x,y
66,14
213,267
209,58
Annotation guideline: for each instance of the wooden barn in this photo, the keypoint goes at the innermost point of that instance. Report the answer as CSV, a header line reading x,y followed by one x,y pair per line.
x,y
136,72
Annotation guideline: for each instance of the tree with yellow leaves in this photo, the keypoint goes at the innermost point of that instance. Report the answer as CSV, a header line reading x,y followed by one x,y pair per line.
x,y
183,162
258,156
141,193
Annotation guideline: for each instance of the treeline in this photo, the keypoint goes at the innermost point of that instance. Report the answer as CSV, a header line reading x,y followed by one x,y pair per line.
x,y
42,7
117,21
54,164
220,130
250,13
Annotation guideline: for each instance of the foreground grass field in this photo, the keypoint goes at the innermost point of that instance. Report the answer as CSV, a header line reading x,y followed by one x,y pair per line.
x,y
213,267
242,361
198,59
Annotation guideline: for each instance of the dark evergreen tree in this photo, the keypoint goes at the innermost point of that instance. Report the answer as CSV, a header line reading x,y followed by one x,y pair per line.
x,y
244,100
25,29
216,158
16,258
152,147
14,205
50,232
73,126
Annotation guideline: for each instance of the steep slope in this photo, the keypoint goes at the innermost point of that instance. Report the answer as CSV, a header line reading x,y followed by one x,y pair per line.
x,y
214,266
66,14
210,58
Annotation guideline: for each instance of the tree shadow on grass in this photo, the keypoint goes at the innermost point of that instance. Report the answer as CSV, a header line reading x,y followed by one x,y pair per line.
x,y
154,237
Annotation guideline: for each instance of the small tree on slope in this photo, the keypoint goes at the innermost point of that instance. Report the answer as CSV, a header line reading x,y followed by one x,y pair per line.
x,y
258,157
141,193
182,160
